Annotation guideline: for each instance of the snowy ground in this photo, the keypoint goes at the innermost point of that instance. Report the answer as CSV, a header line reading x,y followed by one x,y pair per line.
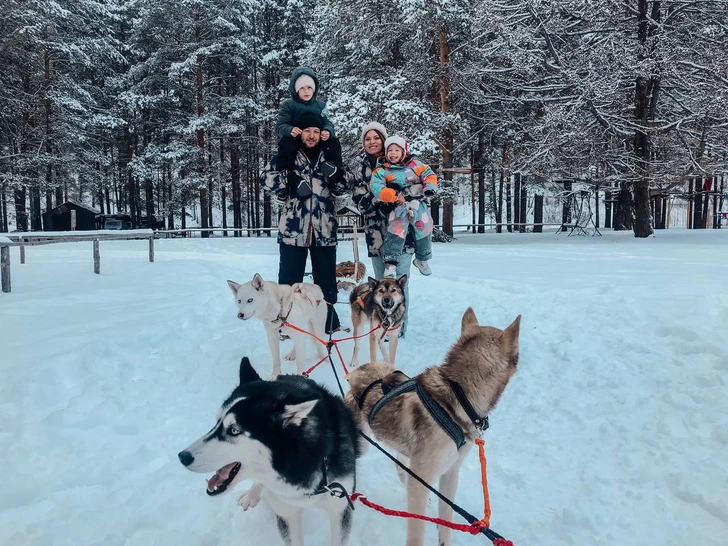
x,y
611,433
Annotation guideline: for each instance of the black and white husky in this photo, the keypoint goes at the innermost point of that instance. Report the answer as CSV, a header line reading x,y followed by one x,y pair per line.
x,y
295,439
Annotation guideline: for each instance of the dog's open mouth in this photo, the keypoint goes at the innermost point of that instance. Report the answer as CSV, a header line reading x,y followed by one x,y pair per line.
x,y
222,479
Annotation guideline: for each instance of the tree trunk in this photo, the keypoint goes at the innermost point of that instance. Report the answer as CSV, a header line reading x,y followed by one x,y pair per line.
x,y
124,160
481,184
48,135
719,214
223,202
203,212
200,131
523,207
447,146
608,198
35,216
698,222
3,210
538,213
566,206
509,204
646,96
48,226
642,219
499,205
517,200
210,181
21,216
235,178
623,208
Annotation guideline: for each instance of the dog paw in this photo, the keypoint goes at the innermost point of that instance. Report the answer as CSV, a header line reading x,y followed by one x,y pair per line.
x,y
290,357
250,498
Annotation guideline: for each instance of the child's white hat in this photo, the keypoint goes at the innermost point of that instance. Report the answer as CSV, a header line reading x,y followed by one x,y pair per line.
x,y
399,141
303,81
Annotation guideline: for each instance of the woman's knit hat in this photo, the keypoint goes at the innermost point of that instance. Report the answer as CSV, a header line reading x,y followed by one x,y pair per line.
x,y
374,126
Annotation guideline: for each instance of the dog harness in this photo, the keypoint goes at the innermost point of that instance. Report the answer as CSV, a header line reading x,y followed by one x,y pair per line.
x,y
385,324
438,413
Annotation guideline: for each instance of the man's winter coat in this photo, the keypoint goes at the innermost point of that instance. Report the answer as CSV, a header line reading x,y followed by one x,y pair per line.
x,y
310,221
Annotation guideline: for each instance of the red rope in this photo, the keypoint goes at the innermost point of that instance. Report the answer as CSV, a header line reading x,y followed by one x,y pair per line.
x,y
341,358
357,337
297,329
472,528
312,368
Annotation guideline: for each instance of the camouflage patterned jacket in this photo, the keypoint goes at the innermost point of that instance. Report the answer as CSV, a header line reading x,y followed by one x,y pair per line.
x,y
374,212
304,222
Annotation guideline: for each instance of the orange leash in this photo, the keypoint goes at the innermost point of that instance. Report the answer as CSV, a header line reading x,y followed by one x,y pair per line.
x,y
484,480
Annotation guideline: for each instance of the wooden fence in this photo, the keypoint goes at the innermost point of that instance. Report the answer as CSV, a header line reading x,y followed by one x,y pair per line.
x,y
23,240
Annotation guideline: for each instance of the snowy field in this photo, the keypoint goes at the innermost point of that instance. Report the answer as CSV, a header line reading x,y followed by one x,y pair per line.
x,y
614,431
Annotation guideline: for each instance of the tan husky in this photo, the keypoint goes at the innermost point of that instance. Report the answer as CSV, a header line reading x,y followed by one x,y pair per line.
x,y
466,387
377,302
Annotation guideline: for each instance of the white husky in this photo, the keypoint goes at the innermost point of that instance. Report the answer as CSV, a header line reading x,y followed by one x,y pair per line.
x,y
274,304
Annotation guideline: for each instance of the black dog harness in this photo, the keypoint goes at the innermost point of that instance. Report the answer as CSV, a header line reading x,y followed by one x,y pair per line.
x,y
442,417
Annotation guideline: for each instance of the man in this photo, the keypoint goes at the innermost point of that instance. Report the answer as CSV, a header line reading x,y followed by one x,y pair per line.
x,y
307,224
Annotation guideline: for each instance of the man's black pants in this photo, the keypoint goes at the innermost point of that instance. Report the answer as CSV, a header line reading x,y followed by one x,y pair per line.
x,y
292,266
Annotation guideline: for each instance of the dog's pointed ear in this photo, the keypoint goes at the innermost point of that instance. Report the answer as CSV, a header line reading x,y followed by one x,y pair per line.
x,y
402,281
509,342
294,414
372,282
247,372
257,281
234,287
469,320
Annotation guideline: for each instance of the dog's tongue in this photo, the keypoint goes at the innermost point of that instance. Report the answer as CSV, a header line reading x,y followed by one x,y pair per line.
x,y
220,476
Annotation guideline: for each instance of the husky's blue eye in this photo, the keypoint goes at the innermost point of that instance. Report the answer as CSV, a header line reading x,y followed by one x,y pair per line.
x,y
250,300
240,301
234,431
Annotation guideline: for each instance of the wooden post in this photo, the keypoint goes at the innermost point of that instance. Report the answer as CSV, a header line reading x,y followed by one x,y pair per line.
x,y
22,250
151,248
73,220
5,267
97,257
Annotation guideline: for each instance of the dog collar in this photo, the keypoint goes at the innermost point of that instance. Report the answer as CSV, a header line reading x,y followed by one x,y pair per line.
x,y
335,489
481,423
281,319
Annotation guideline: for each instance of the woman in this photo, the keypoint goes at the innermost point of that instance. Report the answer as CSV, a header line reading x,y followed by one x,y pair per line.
x,y
374,212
